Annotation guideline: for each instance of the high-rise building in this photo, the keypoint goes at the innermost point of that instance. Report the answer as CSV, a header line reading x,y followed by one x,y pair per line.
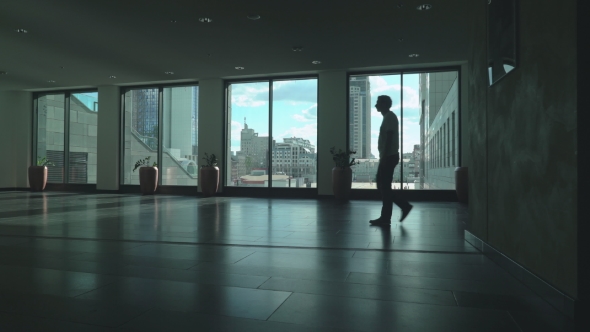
x,y
294,157
253,150
360,116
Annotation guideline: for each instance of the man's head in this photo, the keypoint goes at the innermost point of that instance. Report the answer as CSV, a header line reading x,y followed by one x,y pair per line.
x,y
383,104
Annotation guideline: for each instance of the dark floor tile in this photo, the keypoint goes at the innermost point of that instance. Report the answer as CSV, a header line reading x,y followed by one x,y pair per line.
x,y
375,315
378,292
24,323
209,253
147,261
162,320
505,302
183,296
541,322
51,282
449,271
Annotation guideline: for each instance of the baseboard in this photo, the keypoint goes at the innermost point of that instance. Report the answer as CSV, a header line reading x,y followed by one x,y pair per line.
x,y
552,295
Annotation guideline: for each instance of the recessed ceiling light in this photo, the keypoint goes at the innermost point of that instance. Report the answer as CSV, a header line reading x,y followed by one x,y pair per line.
x,y
414,55
3,73
316,62
21,30
400,5
173,21
169,72
253,17
400,39
424,7
112,76
205,20
297,48
240,68
62,67
51,81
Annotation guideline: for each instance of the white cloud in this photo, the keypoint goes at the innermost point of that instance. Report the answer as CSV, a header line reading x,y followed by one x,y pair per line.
x,y
307,115
236,130
309,131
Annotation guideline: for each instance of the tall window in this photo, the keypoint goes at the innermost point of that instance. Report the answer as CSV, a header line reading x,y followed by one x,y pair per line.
x,y
281,155
141,131
423,103
66,135
169,113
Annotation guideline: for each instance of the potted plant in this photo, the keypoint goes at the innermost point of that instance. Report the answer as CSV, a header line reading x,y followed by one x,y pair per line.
x,y
209,176
342,173
38,174
148,176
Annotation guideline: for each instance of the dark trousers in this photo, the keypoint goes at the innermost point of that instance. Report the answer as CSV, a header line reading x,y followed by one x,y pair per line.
x,y
384,179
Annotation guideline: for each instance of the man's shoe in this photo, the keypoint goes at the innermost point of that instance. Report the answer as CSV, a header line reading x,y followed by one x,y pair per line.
x,y
380,222
405,212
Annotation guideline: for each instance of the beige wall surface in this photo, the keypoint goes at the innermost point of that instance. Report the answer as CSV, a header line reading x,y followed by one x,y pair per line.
x,y
108,129
522,142
211,127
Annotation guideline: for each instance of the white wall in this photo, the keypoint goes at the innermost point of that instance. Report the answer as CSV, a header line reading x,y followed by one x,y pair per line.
x,y
109,127
332,96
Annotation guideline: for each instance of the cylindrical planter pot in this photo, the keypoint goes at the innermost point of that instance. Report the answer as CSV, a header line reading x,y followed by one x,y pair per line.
x,y
462,184
148,180
37,177
341,183
209,180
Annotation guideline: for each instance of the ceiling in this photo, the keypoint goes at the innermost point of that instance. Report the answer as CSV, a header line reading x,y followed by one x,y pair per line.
x,y
81,43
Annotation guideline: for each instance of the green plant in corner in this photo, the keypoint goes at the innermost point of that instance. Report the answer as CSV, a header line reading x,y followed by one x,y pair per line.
x,y
144,162
342,158
211,160
44,162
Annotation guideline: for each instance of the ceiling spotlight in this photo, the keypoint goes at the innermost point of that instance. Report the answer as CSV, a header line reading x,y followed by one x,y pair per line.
x,y
424,7
112,76
62,67
3,73
173,21
51,81
400,5
316,62
205,20
21,30
240,68
414,55
253,17
169,72
297,48
400,39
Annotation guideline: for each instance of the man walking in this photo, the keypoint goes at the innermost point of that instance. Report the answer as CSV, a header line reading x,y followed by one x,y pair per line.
x,y
388,158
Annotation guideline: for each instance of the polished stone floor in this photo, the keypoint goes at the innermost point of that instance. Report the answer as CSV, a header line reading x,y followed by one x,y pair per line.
x,y
114,262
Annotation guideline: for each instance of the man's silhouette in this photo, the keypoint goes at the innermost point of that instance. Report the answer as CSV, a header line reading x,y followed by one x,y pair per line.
x,y
388,158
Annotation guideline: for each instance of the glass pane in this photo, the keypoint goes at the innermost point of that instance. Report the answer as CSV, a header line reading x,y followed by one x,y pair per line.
x,y
294,128
141,131
433,136
50,134
83,130
364,124
248,116
179,140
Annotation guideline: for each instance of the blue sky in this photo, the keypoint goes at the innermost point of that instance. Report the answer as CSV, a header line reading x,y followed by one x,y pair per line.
x,y
295,108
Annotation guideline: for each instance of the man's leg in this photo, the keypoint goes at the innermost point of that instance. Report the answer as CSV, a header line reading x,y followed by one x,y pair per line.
x,y
382,186
404,205
386,167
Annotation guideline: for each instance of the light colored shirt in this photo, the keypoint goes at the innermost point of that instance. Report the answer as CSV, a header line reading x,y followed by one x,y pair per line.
x,y
390,123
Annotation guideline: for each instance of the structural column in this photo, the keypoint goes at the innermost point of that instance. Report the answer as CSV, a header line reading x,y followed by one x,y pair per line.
x,y
108,138
16,114
332,96
211,126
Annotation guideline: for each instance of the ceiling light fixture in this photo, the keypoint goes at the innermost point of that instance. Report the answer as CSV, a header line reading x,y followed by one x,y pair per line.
x,y
297,48
400,5
62,67
424,7
3,73
253,17
240,68
173,21
414,55
169,72
21,30
112,76
205,20
400,39
51,81
316,62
